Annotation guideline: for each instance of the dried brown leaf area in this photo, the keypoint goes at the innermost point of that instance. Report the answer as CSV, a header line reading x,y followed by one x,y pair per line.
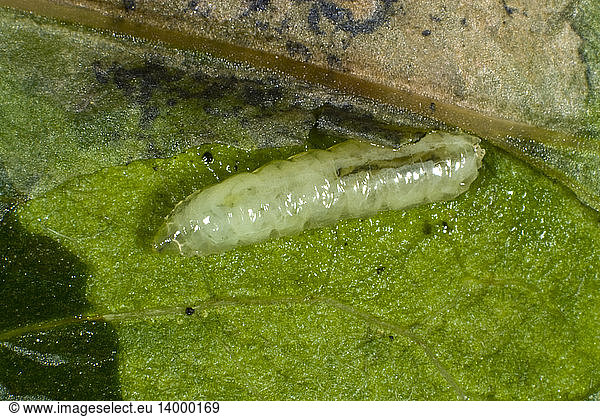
x,y
517,60
520,73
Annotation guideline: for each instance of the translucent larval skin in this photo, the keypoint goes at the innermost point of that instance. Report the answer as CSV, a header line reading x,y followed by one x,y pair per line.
x,y
319,187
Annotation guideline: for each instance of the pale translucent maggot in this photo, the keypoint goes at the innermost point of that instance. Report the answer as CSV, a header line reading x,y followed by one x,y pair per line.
x,y
318,188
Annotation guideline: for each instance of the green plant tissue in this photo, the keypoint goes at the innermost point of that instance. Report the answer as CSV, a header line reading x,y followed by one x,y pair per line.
x,y
492,296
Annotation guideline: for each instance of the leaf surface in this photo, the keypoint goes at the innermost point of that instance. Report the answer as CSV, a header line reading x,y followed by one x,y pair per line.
x,y
482,297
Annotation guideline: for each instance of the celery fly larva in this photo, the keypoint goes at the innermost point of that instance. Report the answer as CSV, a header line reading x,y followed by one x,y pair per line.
x,y
319,187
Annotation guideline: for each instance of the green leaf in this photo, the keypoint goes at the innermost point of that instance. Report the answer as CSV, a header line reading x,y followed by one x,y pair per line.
x,y
492,296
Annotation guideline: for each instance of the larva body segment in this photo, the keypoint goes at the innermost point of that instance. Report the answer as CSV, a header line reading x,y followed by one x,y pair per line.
x,y
319,187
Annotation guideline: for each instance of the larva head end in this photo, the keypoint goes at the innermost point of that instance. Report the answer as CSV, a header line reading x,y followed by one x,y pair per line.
x,y
165,241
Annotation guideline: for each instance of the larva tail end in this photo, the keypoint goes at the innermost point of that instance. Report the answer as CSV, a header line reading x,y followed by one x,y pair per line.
x,y
165,241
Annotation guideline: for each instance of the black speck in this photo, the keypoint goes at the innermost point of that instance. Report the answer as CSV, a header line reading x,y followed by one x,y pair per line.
x,y
346,243
235,167
192,4
207,157
426,32
391,338
435,19
129,4
380,269
154,167
432,107
189,311
445,226
427,229
463,21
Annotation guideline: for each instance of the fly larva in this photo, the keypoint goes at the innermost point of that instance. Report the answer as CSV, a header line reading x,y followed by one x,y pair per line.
x,y
317,188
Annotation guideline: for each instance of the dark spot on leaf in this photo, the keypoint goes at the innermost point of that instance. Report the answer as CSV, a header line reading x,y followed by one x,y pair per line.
x,y
333,61
435,19
391,338
138,83
102,75
314,17
427,229
343,18
445,226
432,107
129,4
463,21
283,26
148,115
509,10
296,49
261,95
426,32
207,157
121,78
189,311
380,270
262,25
335,13
256,5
